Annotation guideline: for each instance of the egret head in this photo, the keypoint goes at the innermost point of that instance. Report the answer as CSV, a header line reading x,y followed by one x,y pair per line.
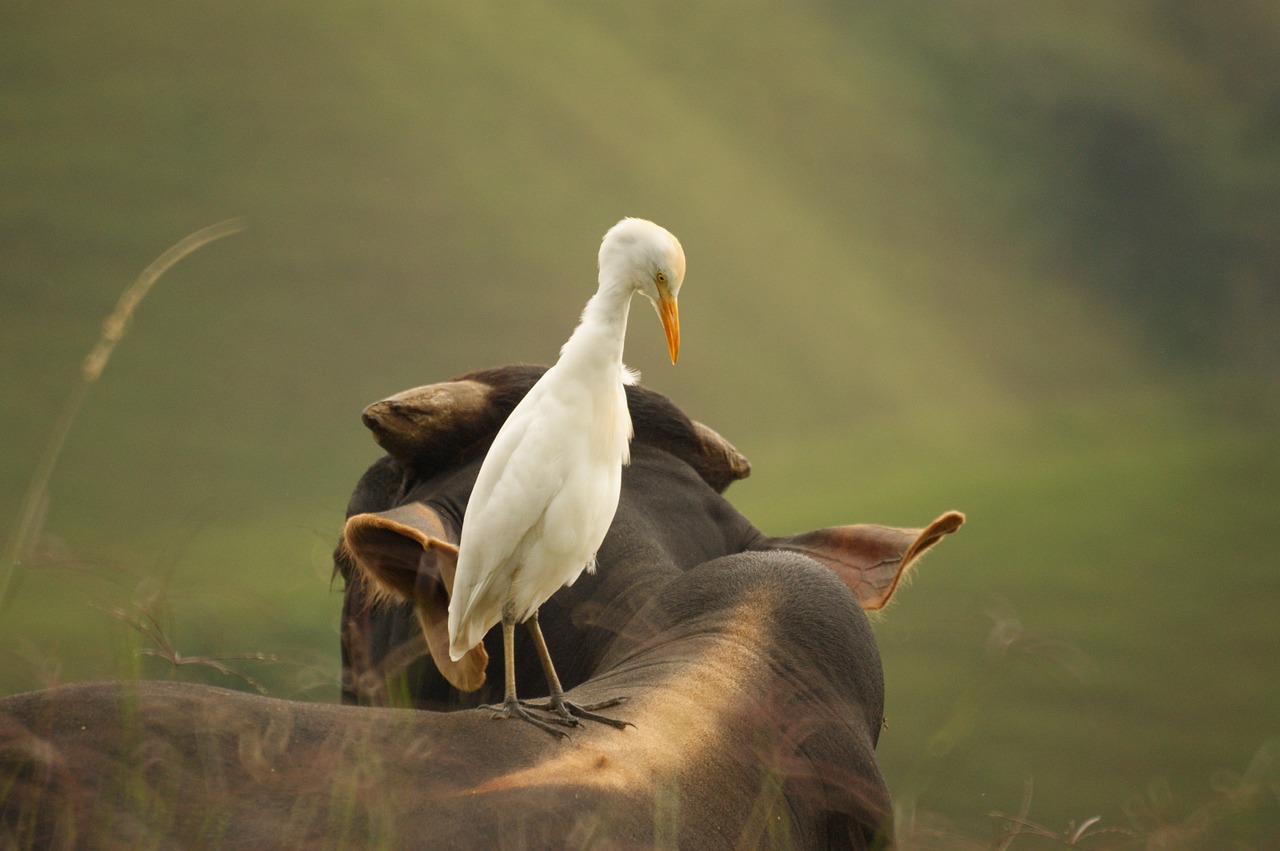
x,y
642,257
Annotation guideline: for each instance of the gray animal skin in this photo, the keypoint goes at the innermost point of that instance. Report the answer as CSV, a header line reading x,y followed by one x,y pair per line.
x,y
752,676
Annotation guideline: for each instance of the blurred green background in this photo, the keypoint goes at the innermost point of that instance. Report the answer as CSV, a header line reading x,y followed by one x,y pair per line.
x,y
1017,260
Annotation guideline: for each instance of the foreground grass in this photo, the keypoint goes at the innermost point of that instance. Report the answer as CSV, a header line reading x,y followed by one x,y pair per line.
x,y
1068,639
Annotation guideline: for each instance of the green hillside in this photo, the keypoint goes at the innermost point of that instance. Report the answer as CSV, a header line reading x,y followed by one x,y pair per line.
x,y
1018,262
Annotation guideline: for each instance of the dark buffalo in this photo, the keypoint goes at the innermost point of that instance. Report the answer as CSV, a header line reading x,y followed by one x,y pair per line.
x,y
753,679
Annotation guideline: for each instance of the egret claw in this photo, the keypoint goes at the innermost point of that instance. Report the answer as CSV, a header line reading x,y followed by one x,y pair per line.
x,y
513,709
570,711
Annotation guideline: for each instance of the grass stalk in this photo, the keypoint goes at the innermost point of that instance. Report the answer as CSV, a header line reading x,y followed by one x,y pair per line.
x,y
35,501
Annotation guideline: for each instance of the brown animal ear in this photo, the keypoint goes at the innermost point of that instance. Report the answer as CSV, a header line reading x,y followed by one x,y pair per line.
x,y
404,554
870,559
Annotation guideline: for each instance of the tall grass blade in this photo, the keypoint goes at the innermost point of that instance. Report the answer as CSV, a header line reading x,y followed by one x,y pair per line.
x,y
31,514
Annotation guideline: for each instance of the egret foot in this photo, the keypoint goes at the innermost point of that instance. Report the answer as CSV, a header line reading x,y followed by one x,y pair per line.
x,y
570,711
556,704
513,709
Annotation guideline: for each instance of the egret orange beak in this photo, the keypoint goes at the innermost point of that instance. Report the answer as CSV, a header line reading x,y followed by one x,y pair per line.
x,y
670,317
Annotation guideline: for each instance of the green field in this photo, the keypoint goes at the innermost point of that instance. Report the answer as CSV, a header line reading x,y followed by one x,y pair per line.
x,y
1016,261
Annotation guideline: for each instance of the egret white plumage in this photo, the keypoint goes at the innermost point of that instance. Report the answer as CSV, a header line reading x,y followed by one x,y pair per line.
x,y
548,488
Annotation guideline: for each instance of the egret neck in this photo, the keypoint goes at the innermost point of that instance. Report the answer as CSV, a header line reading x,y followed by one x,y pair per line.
x,y
593,356
596,344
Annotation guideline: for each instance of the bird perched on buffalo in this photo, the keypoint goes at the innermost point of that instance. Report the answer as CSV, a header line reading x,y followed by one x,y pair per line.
x,y
548,488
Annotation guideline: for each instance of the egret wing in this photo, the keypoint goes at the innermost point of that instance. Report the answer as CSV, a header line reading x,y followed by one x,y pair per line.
x,y
522,473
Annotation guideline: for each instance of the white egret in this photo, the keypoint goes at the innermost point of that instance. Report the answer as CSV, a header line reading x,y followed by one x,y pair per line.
x,y
548,488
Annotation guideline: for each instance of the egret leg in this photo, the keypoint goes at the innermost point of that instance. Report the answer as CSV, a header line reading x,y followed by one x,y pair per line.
x,y
511,706
565,709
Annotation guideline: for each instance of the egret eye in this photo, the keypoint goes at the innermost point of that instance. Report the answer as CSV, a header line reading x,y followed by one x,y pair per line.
x,y
662,277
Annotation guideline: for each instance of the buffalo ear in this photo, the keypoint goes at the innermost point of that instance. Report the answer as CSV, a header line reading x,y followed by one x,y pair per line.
x,y
871,560
405,555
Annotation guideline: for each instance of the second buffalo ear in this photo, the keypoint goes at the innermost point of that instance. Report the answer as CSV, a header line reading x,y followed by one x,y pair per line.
x,y
871,560
406,555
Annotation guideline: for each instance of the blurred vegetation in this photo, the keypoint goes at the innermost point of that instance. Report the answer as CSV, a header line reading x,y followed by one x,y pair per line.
x,y
1019,261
